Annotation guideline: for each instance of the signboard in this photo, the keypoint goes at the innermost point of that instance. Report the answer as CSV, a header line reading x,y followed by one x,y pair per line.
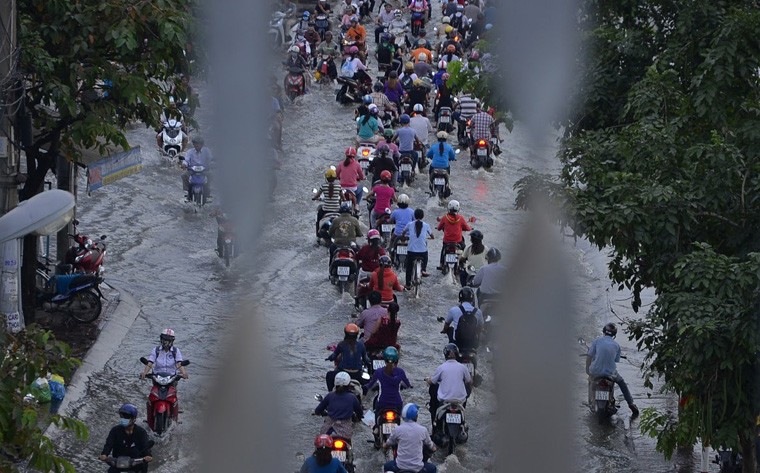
x,y
113,168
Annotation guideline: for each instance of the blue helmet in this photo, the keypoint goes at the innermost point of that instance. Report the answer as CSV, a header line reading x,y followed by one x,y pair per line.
x,y
306,15
404,119
128,410
367,99
409,412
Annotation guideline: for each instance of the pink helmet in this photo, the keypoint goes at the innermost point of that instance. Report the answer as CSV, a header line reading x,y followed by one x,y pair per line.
x,y
373,234
353,50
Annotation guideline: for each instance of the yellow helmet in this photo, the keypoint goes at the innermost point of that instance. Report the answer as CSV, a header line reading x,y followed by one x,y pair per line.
x,y
409,66
448,29
330,174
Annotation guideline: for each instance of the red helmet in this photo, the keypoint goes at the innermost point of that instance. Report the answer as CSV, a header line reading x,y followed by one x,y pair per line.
x,y
386,176
323,441
352,329
351,151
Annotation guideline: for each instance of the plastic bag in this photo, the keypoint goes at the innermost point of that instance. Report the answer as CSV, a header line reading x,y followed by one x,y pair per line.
x,y
40,389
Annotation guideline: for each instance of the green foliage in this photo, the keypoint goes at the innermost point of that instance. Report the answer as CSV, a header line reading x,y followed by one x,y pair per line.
x,y
660,165
28,355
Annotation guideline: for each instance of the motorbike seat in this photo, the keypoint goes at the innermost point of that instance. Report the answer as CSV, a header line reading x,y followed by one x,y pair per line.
x,y
445,406
596,379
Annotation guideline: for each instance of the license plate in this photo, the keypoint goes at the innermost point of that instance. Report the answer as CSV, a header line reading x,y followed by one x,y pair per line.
x,y
340,455
364,165
378,364
452,258
406,167
445,119
388,428
401,250
344,270
386,227
602,396
439,181
453,418
482,152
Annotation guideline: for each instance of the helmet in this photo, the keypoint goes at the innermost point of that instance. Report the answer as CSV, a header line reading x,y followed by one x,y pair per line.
x,y
294,49
403,199
385,261
373,110
493,255
445,77
474,56
453,206
408,66
451,48
354,18
390,355
610,330
167,334
409,412
451,349
353,50
342,379
386,176
388,132
367,99
397,13
323,441
446,20
417,82
418,107
476,235
442,135
404,119
382,147
378,86
460,8
385,37
466,294
448,29
345,207
330,174
306,15
128,411
198,140
422,57
351,329
351,151
443,64
374,234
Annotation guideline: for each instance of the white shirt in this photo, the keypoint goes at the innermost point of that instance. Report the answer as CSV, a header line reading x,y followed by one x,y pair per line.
x,y
451,377
422,127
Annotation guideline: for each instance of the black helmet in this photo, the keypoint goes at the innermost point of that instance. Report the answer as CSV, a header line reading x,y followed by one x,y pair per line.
x,y
493,255
466,294
451,351
476,235
385,261
610,330
346,207
128,411
378,87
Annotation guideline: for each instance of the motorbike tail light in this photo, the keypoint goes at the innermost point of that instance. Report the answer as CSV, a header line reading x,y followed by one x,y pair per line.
x,y
344,254
481,142
339,444
390,416
365,152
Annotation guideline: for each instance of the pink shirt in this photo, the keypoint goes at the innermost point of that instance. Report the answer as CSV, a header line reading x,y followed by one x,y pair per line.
x,y
383,195
349,175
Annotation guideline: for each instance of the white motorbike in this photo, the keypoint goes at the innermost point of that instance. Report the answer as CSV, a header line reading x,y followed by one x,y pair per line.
x,y
277,26
173,139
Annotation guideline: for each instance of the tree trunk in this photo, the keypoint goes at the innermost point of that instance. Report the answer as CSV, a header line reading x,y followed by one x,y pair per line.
x,y
749,453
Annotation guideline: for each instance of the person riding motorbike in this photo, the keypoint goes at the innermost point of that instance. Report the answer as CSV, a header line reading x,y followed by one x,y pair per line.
x,y
353,67
331,49
451,382
383,21
408,76
440,154
340,407
386,334
406,138
466,306
322,8
322,461
473,256
368,126
452,224
423,42
350,173
127,440
383,161
391,379
443,98
331,196
358,33
384,280
418,94
296,64
411,439
199,155
419,232
345,229
601,361
449,54
481,127
399,27
400,217
490,279
421,54
369,318
421,124
350,356
166,358
384,195
438,76
466,108
369,254
386,108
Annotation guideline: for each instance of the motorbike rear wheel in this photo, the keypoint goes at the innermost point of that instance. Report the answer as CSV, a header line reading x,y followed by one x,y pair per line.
x,y
159,422
228,249
84,306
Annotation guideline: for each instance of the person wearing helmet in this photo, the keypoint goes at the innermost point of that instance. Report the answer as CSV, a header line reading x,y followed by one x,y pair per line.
x,y
418,94
450,8
491,278
340,407
473,258
322,461
350,173
386,334
353,65
349,355
368,126
437,77
386,108
423,42
329,48
421,53
412,439
452,224
296,64
198,155
127,439
344,230
466,336
369,318
165,358
401,217
393,89
601,362
383,20
383,159
369,255
407,77
384,280
406,137
421,126
330,193
451,382
391,380
384,196
449,53
440,154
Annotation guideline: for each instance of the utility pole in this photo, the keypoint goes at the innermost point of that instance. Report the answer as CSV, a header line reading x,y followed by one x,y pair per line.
x,y
9,97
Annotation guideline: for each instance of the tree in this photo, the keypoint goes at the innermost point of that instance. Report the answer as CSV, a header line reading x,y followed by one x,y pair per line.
x,y
87,70
660,165
26,356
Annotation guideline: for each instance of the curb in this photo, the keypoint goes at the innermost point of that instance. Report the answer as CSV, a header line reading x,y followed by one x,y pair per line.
x,y
112,331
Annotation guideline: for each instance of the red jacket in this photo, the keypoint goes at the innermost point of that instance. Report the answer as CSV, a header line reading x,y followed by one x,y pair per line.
x,y
385,336
390,283
369,257
453,225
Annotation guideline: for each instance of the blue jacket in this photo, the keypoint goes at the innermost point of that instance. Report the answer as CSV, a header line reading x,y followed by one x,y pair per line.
x,y
350,359
441,160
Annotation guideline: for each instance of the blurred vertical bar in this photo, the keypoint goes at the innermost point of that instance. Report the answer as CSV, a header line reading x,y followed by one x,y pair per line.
x,y
243,429
534,368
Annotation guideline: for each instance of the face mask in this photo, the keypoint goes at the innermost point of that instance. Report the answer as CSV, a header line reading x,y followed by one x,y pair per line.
x,y
125,422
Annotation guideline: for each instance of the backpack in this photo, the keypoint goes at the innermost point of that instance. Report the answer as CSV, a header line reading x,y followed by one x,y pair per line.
x,y
384,54
407,82
466,334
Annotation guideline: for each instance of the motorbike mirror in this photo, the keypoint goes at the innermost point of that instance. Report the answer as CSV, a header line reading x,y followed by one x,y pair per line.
x,y
103,237
313,190
181,158
143,360
457,151
184,362
318,397
75,222
365,189
488,319
440,319
366,376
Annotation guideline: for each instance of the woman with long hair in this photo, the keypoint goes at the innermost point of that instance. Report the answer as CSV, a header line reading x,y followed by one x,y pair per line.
x,y
419,232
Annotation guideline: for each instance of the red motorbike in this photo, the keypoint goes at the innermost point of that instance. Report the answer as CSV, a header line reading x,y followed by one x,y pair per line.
x,y
87,255
295,84
162,406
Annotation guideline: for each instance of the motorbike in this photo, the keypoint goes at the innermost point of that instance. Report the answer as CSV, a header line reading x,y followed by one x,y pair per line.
x,y
352,90
421,150
295,84
87,255
406,169
172,138
480,155
226,233
385,421
602,398
451,254
450,428
495,146
364,11
125,463
440,184
322,25
277,26
343,452
323,74
343,268
418,21
386,228
365,153
399,36
399,252
444,119
197,182
162,401
77,295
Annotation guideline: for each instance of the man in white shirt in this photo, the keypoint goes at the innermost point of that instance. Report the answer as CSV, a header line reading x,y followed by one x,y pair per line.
x,y
451,382
421,124
411,439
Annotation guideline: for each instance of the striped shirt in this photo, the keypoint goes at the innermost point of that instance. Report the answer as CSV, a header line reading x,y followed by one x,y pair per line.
x,y
330,204
468,106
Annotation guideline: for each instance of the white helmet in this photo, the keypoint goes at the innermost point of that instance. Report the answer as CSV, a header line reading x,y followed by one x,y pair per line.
x,y
403,199
397,13
294,49
422,57
454,205
342,379
442,135
446,20
418,107
442,64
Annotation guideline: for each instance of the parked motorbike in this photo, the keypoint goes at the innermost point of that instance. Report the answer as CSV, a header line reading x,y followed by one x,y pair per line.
x,y
440,184
343,268
450,429
173,139
406,169
162,404
87,255
480,155
77,295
